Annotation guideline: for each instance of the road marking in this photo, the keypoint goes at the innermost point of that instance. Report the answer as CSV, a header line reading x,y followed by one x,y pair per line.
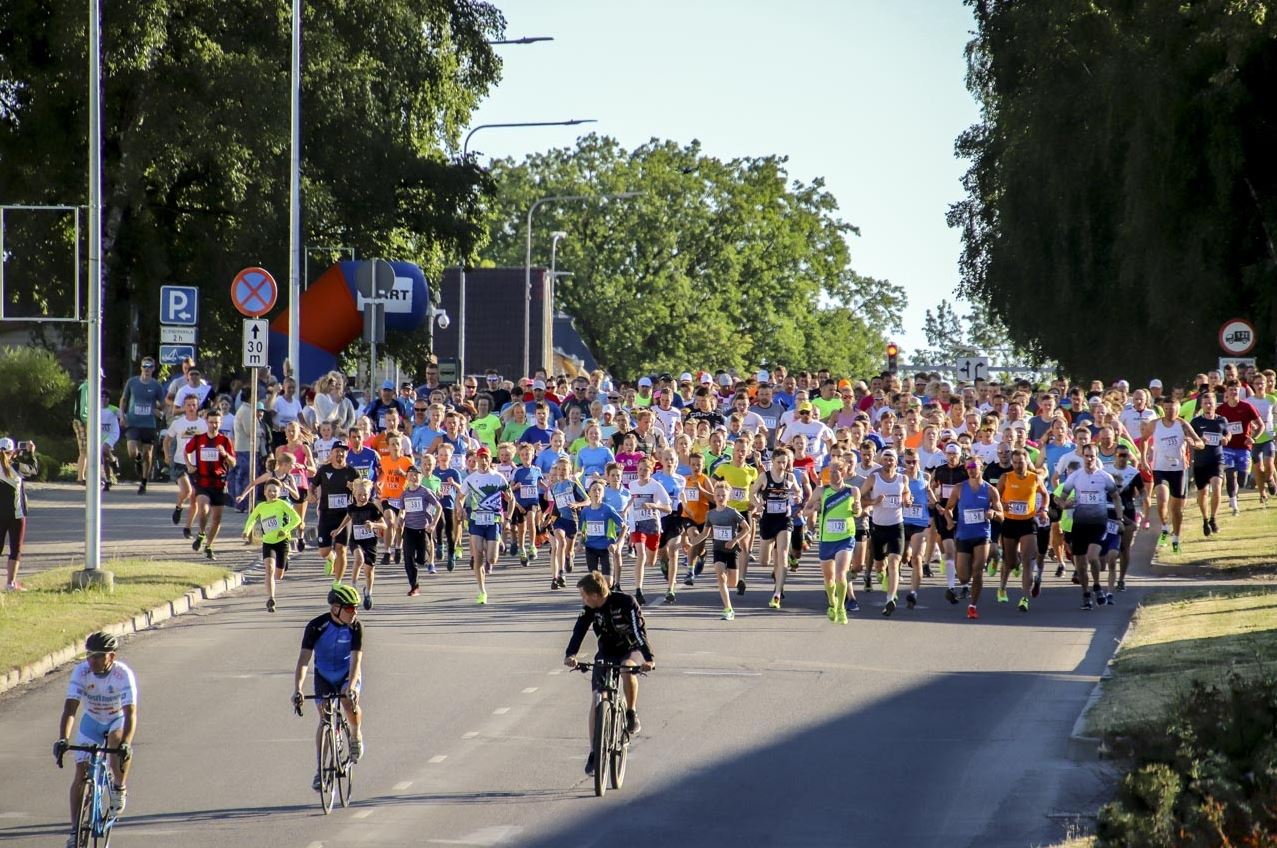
x,y
472,734
437,758
529,690
362,814
402,785
725,673
501,711
315,845
488,836
557,671
13,815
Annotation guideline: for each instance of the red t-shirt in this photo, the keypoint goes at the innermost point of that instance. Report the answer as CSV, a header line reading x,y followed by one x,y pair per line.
x,y
1238,418
210,471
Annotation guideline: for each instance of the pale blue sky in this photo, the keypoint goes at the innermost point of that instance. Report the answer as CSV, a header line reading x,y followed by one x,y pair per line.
x,y
868,95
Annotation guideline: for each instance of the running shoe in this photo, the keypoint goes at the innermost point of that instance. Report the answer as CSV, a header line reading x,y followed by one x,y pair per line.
x,y
911,600
1232,504
563,583
689,580
328,566
481,598
1059,570
141,488
1024,605
1099,599
638,596
972,612
177,514
186,532
1121,584
1205,527
1108,599
774,603
832,613
356,749
852,605
840,616
208,553
665,569
270,604
882,580
198,543
740,586
589,765
729,615
1214,525
1003,598
951,596
414,592
1015,572
452,563
1086,601
889,607
926,569
670,597
394,555
15,586
534,554
700,565
869,580
1163,537
431,569
1096,589
1037,584
991,569
567,567
964,591
554,583
367,600
523,559
1175,546
301,546
316,784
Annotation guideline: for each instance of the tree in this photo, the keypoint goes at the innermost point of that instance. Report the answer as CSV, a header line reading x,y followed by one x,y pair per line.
x,y
196,141
726,264
1122,179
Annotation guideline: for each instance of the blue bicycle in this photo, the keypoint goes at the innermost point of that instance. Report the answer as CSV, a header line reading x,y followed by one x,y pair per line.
x,y
95,820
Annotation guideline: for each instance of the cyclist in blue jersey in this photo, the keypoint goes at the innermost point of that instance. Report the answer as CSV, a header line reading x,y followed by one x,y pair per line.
x,y
336,641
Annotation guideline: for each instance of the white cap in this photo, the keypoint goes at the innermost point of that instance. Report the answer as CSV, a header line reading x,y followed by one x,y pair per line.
x,y
538,384
948,434
891,453
953,448
706,379
6,444
763,377
607,384
1124,384
1154,383
609,409
685,377
724,380
645,382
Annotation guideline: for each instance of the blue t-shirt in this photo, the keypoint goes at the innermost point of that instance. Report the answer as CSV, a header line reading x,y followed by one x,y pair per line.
x,y
423,437
366,461
524,477
673,487
616,498
592,461
535,435
546,459
449,485
566,492
556,413
602,526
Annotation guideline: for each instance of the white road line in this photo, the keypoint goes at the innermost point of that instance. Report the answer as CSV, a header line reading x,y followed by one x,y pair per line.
x,y
501,711
472,734
725,673
437,758
529,690
362,814
315,845
557,671
402,785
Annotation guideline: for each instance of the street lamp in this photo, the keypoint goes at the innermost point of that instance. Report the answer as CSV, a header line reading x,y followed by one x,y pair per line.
x,y
461,266
527,265
554,275
527,39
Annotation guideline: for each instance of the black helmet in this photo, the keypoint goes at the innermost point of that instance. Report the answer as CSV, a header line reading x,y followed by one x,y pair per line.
x,y
101,642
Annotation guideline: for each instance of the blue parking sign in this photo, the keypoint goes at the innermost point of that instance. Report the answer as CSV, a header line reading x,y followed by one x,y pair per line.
x,y
179,305
173,354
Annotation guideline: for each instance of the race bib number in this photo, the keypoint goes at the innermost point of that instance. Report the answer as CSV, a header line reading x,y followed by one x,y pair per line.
x,y
528,492
722,534
142,409
692,495
447,488
1089,498
769,423
270,525
484,519
973,516
778,507
915,512
338,501
361,532
458,462
646,515
891,501
738,494
1211,439
1114,528
595,528
945,491
836,525
563,500
381,421
208,455
1234,428
1017,507
413,504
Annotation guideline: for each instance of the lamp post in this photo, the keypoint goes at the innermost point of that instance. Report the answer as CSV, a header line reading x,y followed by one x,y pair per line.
x,y
461,266
527,265
555,237
295,198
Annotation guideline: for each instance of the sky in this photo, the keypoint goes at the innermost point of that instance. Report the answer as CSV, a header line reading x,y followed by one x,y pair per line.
x,y
868,94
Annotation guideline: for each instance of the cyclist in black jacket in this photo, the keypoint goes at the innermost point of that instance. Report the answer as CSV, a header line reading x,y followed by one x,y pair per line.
x,y
618,623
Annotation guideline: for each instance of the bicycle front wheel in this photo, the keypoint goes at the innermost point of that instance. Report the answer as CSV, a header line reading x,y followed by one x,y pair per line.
x,y
327,768
84,828
620,748
346,768
602,745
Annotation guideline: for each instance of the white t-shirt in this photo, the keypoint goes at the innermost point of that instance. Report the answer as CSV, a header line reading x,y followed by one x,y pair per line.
x,y
104,698
184,391
816,434
286,411
183,429
647,493
1133,420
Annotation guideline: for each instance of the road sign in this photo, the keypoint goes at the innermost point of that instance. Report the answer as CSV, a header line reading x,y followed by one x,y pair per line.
x,y
971,368
256,338
253,291
1237,337
1242,362
173,354
177,335
179,305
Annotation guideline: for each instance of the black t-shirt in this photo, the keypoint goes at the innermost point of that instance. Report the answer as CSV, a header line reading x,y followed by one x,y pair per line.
x,y
714,418
358,515
1211,430
334,486
618,624
947,475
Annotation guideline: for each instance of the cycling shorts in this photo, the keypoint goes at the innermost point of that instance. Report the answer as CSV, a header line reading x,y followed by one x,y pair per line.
x,y
1264,449
94,732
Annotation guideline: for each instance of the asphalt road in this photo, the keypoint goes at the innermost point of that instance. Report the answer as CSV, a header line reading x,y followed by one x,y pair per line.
x,y
779,728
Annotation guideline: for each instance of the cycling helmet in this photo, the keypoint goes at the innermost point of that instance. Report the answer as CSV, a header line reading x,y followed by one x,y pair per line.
x,y
101,642
344,595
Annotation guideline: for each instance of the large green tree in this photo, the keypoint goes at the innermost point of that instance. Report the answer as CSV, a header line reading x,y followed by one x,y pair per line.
x,y
196,141
716,263
1122,195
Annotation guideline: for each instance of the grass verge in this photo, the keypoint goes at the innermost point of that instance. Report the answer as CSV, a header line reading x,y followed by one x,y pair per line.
x,y
50,615
1246,541
1178,638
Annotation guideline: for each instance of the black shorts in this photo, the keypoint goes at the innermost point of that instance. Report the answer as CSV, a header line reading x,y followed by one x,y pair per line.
x,y
600,560
772,524
141,435
912,530
216,497
328,524
726,558
1085,535
1015,529
671,528
862,530
886,540
1174,480
369,548
1203,474
389,506
968,546
942,525
596,674
301,497
277,551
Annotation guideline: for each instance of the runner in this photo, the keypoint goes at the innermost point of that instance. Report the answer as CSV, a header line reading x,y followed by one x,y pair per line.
x,y
526,483
208,459
179,433
698,496
648,502
834,508
448,533
886,492
602,529
1024,498
566,497
945,479
142,399
1244,425
394,476
969,511
740,477
1130,486
917,522
1208,461
1090,492
275,520
774,493
672,522
421,513
331,490
728,529
1167,457
364,521
485,496
1264,399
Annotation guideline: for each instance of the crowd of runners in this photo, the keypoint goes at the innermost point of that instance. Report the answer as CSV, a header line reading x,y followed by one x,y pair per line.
x,y
907,483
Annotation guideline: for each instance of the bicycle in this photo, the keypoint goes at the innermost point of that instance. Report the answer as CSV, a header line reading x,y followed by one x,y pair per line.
x,y
336,770
95,820
611,741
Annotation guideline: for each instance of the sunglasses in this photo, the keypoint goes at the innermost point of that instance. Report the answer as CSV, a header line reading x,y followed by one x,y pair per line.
x,y
347,607
419,409
911,462
971,466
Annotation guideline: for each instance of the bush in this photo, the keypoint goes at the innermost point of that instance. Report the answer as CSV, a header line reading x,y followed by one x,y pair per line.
x,y
35,393
1210,779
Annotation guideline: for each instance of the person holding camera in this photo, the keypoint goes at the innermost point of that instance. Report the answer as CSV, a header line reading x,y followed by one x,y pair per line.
x,y
17,462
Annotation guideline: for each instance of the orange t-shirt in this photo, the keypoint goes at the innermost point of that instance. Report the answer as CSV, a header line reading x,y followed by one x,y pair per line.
x,y
394,476
697,510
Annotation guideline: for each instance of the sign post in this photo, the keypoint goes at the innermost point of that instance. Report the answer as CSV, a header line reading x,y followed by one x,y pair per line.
x,y
375,280
253,291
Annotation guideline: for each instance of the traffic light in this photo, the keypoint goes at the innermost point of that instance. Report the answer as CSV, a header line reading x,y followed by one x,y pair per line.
x,y
892,350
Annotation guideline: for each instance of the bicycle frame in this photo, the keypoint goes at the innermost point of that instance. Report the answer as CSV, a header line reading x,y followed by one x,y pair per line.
x,y
97,776
612,741
336,776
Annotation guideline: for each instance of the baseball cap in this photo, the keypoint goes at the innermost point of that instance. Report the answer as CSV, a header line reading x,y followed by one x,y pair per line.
x,y
340,445
724,380
685,377
953,448
763,377
261,407
483,452
666,378
609,409
948,434
389,384
1095,400
1123,384
6,444
1154,383
645,382
706,379
890,453
538,384
805,406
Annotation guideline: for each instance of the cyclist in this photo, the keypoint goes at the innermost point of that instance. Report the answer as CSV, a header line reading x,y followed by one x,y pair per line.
x,y
336,640
109,692
617,620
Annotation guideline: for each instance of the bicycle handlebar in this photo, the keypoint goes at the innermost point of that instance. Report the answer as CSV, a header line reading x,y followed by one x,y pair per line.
x,y
624,669
91,749
297,708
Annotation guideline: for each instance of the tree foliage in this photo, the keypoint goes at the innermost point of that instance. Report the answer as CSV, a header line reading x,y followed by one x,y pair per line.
x,y
717,263
951,336
1122,178
196,142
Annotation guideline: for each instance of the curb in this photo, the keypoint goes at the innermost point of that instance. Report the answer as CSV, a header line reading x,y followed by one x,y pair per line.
x,y
1083,748
142,621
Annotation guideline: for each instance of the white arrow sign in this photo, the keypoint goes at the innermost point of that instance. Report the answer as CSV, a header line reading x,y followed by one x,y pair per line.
x,y
256,338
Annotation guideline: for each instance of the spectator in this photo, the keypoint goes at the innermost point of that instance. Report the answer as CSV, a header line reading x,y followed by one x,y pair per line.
x,y
16,462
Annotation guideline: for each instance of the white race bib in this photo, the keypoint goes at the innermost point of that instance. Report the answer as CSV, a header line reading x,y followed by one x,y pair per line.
x,y
945,491
447,488
915,512
835,525
361,532
692,495
722,534
973,516
1017,507
270,525
339,501
1234,428
737,495
769,423
891,501
563,500
646,515
208,455
628,477
142,408
1211,439
595,528
413,504
528,492
484,519
1114,528
778,507
1090,498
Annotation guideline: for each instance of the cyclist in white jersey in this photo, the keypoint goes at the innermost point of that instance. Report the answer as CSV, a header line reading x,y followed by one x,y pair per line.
x,y
1167,457
108,691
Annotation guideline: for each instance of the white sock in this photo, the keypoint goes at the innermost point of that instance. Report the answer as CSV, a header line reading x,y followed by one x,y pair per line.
x,y
951,573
